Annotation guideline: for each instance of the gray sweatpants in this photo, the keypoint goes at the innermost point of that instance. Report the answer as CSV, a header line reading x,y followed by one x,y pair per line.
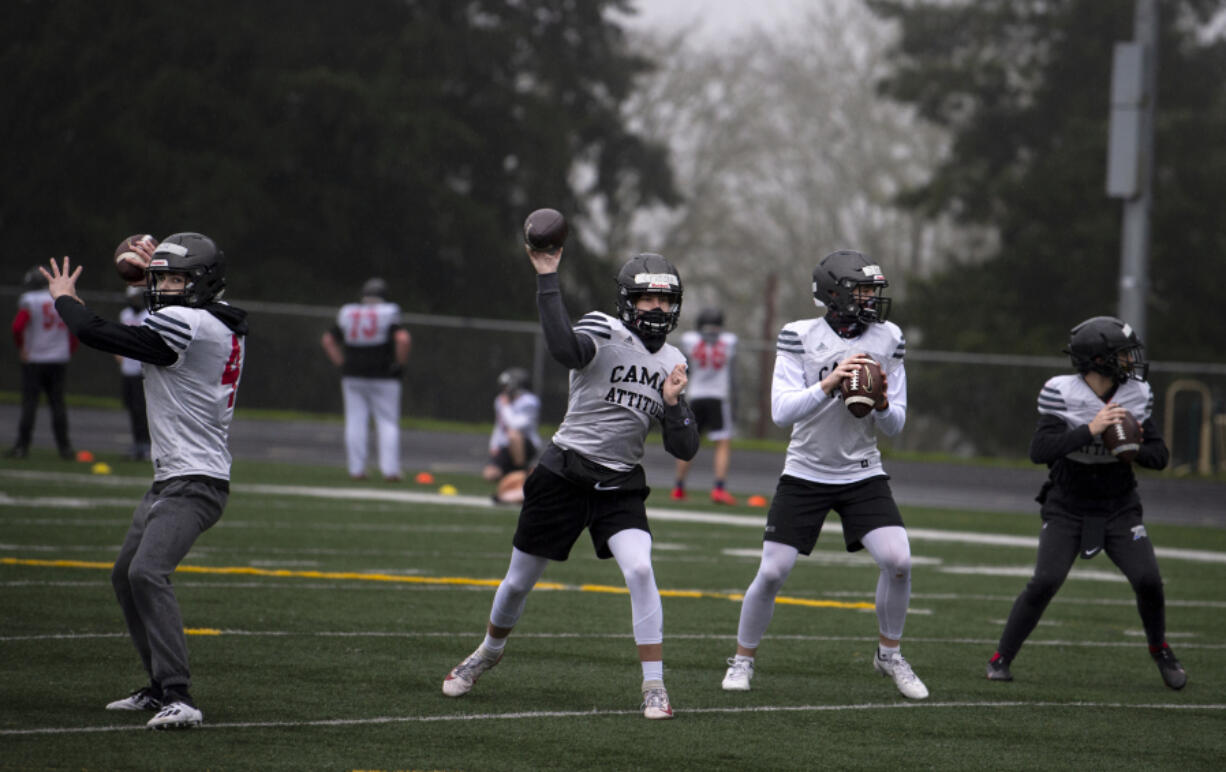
x,y
172,514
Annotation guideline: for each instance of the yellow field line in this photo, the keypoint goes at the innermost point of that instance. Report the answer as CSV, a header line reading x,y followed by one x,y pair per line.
x,y
462,581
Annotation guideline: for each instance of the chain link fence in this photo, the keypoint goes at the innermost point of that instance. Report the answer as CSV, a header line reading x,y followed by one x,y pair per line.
x,y
959,403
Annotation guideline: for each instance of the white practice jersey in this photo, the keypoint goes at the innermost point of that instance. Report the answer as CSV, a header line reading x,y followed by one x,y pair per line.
x,y
616,396
367,324
520,414
1071,399
190,403
46,337
134,317
710,365
830,445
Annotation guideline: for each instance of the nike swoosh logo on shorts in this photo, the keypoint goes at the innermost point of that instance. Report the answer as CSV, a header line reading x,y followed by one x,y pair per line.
x,y
603,487
1091,552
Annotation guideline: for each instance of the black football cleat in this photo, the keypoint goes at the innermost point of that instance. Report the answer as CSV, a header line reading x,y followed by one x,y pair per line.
x,y
1172,672
998,668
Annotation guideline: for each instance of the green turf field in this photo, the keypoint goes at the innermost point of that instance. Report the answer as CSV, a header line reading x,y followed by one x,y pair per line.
x,y
323,616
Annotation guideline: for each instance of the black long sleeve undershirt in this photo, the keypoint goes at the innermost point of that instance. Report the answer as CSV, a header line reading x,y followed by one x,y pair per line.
x,y
570,349
138,343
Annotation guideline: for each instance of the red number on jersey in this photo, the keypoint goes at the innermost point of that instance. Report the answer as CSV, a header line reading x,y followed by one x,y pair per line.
x,y
713,356
364,324
51,320
233,365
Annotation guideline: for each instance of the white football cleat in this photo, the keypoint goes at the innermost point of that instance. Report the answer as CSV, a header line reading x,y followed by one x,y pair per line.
x,y
655,701
176,715
904,677
141,699
738,676
462,677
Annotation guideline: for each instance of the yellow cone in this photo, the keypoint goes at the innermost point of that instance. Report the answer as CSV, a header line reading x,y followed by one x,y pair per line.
x,y
448,490
101,467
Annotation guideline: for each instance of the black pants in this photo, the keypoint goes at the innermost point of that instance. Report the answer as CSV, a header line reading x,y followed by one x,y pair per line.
x,y
37,378
1124,541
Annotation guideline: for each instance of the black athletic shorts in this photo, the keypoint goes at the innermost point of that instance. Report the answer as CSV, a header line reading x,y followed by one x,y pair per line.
x,y
708,414
557,509
800,507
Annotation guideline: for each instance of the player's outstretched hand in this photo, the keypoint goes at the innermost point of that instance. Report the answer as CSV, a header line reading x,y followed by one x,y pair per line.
x,y
674,384
60,281
544,262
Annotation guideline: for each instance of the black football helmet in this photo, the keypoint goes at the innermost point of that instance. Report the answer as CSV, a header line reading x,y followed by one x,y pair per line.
x,y
710,317
194,255
33,280
513,379
834,286
375,288
1108,346
648,274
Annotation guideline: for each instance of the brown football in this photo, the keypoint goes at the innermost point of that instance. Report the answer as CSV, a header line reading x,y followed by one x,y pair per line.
x,y
128,263
862,390
545,230
1123,440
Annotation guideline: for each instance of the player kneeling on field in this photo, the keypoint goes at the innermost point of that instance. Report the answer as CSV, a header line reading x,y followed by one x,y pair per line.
x,y
514,440
1090,502
624,377
192,346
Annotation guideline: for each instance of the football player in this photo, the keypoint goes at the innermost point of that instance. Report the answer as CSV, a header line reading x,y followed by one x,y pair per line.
x,y
514,440
45,345
832,460
371,348
624,377
192,346
1089,502
710,351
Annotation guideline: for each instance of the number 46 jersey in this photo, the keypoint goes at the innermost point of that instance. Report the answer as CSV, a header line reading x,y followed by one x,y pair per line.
x,y
190,402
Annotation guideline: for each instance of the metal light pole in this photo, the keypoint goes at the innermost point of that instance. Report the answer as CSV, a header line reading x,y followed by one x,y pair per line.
x,y
1130,162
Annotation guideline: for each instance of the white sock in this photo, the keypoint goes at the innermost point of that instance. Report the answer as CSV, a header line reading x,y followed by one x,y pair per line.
x,y
653,671
885,652
741,659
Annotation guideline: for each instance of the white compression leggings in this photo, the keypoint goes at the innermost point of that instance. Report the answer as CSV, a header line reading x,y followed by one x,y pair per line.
x,y
888,546
632,551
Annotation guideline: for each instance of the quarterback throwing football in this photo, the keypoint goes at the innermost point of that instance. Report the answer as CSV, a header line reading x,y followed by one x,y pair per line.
x,y
623,378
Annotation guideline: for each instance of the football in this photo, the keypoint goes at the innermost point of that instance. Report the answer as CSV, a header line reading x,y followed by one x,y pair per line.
x,y
862,390
545,230
1123,440
128,263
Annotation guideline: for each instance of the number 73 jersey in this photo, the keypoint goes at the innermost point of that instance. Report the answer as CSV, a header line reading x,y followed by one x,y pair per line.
x,y
190,402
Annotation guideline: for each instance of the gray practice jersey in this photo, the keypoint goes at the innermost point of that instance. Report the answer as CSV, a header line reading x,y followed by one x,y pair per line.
x,y
1070,398
829,444
616,396
190,402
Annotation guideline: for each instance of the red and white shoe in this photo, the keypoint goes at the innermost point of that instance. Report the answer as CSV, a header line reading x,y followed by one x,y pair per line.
x,y
721,496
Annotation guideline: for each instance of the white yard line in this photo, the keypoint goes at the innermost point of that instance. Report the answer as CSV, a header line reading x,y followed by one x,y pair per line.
x,y
589,714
